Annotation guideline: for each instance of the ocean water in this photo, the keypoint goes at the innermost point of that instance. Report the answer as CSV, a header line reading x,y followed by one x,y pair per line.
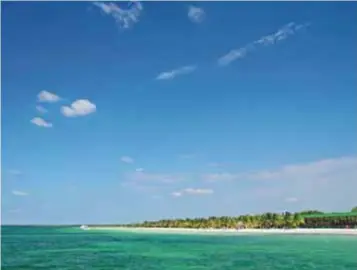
x,y
72,248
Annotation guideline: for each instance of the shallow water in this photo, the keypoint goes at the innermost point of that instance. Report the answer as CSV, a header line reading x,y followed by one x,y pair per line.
x,y
71,248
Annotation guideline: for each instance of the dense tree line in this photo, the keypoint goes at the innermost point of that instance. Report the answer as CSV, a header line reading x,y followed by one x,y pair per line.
x,y
332,221
304,219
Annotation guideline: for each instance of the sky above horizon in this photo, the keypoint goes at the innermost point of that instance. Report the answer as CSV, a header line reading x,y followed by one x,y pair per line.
x,y
123,112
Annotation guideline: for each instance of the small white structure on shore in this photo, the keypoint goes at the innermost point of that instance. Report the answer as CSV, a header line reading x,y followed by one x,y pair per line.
x,y
84,227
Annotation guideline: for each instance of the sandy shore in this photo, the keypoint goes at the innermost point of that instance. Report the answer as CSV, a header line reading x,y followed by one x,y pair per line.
x,y
231,231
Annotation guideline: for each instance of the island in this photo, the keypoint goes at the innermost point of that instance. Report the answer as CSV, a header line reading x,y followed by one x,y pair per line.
x,y
311,221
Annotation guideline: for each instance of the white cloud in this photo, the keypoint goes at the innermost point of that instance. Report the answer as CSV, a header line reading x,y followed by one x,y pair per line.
x,y
125,18
19,193
327,184
198,191
168,75
38,121
232,55
176,194
80,107
192,191
127,159
41,109
196,14
282,34
45,96
139,170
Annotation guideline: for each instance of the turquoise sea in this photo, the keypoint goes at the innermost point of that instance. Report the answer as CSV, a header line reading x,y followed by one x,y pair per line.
x,y
72,248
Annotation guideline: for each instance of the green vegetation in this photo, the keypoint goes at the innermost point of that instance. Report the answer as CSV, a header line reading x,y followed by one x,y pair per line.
x,y
354,209
304,219
310,212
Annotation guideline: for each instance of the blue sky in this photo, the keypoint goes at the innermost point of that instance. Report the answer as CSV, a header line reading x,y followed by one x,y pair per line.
x,y
113,114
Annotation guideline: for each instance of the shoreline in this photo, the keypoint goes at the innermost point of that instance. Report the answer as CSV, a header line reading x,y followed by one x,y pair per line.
x,y
327,231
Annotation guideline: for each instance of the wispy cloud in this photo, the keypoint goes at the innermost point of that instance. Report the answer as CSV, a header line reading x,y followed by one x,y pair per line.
x,y
232,56
220,164
149,178
151,182
125,18
139,170
187,156
177,194
192,191
80,107
14,172
127,159
291,199
45,96
72,188
280,35
219,177
196,14
313,170
139,186
197,191
38,121
14,211
168,75
326,184
283,33
19,193
214,164
41,109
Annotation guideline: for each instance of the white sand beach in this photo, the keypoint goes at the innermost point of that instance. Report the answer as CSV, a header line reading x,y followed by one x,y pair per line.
x,y
231,231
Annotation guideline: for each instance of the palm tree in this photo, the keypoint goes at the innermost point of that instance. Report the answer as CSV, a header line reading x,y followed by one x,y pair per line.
x,y
288,220
266,220
298,220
